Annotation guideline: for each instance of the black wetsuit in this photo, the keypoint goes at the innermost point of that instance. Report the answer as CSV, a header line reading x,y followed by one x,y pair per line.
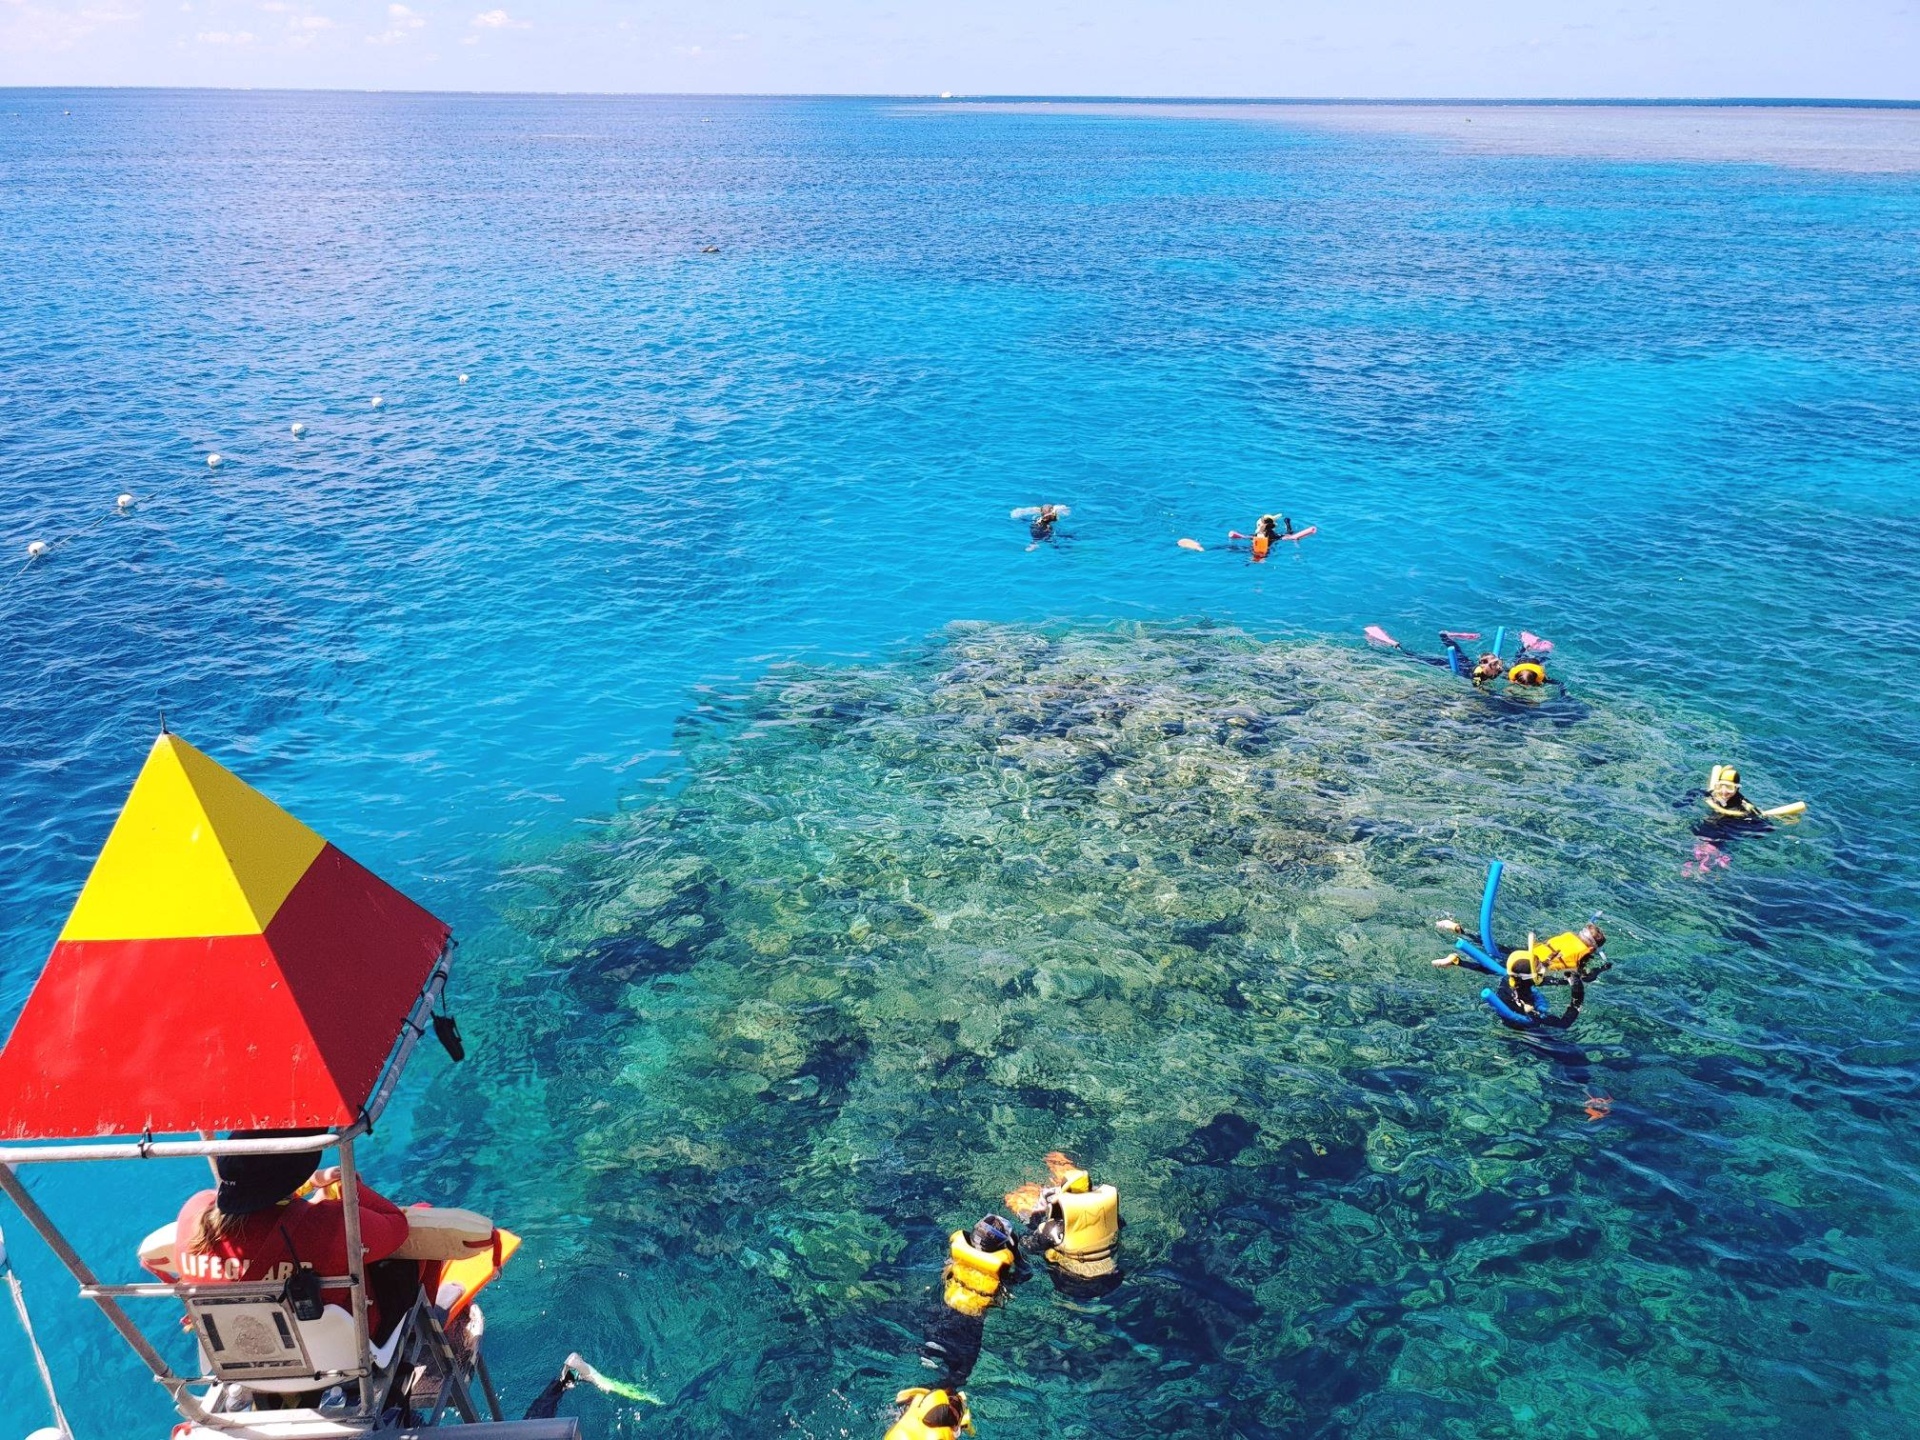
x,y
1042,526
952,1345
1521,995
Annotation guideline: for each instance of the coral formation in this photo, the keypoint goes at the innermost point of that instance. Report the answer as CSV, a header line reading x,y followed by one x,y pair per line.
x,y
1161,897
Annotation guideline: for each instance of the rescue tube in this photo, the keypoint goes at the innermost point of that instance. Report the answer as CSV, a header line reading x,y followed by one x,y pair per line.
x,y
1301,534
439,1232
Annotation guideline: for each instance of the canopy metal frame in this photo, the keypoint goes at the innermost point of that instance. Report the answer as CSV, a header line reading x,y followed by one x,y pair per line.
x,y
342,1138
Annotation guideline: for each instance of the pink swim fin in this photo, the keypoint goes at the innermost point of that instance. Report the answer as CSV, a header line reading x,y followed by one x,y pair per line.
x,y
1531,641
1380,637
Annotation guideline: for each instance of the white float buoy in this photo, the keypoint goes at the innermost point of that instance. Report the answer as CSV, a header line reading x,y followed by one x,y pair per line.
x,y
378,401
298,428
213,461
463,378
123,502
36,548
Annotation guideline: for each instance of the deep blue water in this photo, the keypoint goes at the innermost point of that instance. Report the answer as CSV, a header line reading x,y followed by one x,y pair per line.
x,y
1667,414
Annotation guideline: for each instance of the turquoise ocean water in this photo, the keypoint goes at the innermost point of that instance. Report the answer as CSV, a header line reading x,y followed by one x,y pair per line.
x,y
823,855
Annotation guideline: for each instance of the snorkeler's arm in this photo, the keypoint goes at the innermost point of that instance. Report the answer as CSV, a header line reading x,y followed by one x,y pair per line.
x,y
1564,1020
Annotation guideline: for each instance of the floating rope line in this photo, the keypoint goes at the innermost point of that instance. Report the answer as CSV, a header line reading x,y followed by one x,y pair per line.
x,y
40,549
39,1359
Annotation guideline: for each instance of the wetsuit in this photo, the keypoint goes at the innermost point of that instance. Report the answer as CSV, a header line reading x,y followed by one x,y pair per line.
x,y
1521,995
1042,526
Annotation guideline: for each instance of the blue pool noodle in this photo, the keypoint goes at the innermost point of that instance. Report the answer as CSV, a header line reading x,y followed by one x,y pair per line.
x,y
1507,1013
1487,897
1484,959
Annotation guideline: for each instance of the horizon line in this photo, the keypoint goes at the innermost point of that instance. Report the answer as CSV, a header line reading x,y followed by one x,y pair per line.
x,y
1776,102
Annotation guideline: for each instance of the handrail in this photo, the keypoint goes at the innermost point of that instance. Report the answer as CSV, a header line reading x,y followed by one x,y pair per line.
x,y
183,1398
240,1289
175,1149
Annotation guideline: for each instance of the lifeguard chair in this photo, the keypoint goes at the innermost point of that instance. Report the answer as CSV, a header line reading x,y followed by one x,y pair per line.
x,y
326,979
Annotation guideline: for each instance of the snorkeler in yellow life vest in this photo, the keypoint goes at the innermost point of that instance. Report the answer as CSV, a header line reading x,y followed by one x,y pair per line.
x,y
977,1266
931,1415
1073,1223
1555,959
1572,958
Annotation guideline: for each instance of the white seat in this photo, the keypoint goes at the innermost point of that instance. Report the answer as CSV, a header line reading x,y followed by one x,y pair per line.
x,y
330,1345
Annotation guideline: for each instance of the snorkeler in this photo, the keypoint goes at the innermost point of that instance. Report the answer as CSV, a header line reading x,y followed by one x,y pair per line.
x,y
1074,1224
1266,530
980,1264
1528,669
1040,520
1727,802
1571,959
930,1415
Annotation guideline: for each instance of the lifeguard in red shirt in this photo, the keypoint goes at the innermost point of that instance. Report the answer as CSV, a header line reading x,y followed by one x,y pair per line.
x,y
259,1226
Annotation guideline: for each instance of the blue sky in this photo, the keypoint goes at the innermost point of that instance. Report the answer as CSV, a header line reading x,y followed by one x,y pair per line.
x,y
1846,48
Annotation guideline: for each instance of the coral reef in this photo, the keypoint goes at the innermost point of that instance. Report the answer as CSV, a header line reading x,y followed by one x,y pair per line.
x,y
1162,897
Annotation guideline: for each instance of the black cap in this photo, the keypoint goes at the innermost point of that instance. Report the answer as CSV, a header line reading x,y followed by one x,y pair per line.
x,y
252,1183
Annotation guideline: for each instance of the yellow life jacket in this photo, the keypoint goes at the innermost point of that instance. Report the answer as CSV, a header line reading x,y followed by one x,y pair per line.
x,y
1562,952
973,1276
1090,1215
931,1415
1527,672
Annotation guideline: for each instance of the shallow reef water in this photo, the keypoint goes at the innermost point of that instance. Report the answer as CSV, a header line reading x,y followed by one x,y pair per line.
x,y
1162,897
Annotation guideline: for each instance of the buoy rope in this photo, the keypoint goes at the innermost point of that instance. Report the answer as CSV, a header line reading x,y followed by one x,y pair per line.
x,y
39,1359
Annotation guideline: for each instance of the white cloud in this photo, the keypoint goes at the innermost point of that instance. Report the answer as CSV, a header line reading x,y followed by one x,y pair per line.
x,y
402,21
26,27
310,22
225,37
498,20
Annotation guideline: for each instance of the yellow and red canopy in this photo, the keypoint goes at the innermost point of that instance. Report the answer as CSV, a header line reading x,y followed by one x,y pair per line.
x,y
224,968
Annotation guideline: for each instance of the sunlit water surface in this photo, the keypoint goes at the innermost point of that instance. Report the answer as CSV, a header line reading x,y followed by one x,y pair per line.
x,y
823,855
